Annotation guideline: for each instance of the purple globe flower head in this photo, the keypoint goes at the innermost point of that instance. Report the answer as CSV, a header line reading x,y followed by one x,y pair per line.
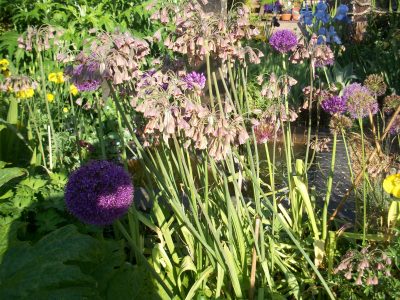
x,y
283,40
334,105
99,192
195,80
359,101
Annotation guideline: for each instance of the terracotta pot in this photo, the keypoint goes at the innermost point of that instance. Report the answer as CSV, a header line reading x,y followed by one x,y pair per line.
x,y
286,17
295,17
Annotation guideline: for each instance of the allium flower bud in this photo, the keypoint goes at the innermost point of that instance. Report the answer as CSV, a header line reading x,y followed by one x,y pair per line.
x,y
360,102
376,84
283,40
99,192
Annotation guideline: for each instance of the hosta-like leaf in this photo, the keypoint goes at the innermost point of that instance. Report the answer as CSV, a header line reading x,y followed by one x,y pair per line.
x,y
64,264
10,173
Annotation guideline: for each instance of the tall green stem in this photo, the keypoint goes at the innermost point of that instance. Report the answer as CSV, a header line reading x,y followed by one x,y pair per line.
x,y
364,192
329,189
43,76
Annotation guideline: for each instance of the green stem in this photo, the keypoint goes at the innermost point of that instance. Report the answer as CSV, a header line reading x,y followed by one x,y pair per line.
x,y
100,130
364,192
44,95
329,189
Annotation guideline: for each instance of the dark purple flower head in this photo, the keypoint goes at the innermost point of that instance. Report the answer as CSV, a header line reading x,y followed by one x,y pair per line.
x,y
283,41
334,105
99,192
359,101
195,80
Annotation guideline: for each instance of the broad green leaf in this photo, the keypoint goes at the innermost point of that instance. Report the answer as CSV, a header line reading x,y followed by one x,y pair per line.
x,y
64,264
134,282
10,173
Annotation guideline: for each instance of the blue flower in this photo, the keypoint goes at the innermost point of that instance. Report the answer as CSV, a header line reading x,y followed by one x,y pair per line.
x,y
323,36
334,36
321,12
341,13
328,36
306,16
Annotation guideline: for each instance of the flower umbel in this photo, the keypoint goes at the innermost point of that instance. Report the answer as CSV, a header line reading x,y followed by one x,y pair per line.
x,y
283,40
334,105
99,193
360,102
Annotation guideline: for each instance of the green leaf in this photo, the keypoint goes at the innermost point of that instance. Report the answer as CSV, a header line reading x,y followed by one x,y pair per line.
x,y
64,264
10,173
134,282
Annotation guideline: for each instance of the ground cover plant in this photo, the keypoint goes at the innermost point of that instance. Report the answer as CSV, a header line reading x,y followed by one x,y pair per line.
x,y
162,152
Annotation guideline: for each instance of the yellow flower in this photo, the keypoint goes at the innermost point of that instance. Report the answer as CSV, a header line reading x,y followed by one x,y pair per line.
x,y
6,73
56,77
4,63
391,185
24,94
50,97
73,90
65,109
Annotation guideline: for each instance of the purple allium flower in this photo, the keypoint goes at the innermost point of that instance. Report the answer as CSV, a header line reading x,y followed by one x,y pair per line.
x,y
395,128
283,41
99,193
195,80
359,101
85,76
334,105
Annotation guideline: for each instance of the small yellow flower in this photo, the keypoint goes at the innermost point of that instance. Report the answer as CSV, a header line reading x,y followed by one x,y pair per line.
x,y
50,97
56,77
60,77
73,90
65,109
4,63
6,73
25,94
391,185
52,77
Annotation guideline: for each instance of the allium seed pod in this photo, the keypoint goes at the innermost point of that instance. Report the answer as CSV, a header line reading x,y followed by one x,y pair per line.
x,y
376,84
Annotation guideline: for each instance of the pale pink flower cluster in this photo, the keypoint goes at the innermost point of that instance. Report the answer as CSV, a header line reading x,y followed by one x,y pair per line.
x,y
365,266
170,112
40,38
120,55
198,33
276,87
115,57
320,54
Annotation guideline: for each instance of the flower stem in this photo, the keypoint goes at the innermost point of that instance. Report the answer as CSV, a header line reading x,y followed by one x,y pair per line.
x,y
329,189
